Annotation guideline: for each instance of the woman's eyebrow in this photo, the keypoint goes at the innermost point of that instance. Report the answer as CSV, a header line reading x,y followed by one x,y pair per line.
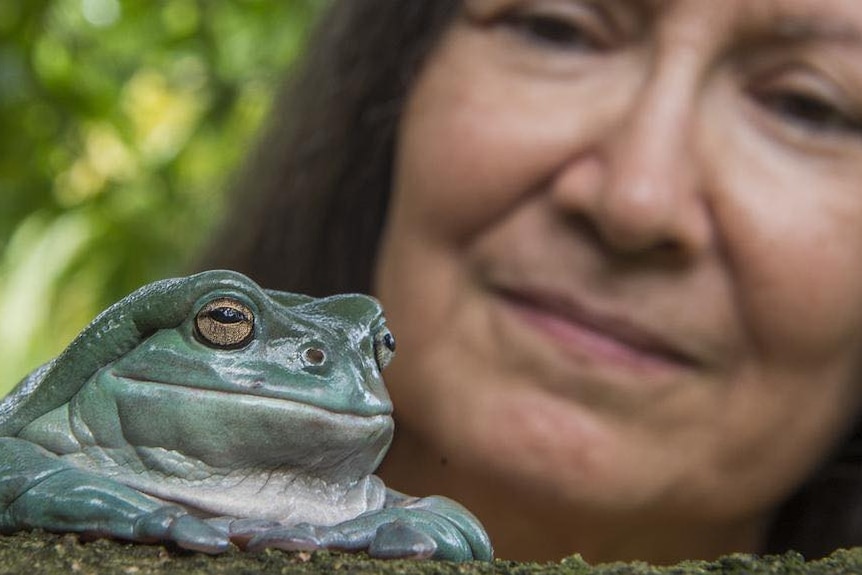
x,y
798,29
773,24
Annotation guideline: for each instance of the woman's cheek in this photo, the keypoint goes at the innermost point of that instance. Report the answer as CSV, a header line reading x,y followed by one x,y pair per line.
x,y
789,227
469,152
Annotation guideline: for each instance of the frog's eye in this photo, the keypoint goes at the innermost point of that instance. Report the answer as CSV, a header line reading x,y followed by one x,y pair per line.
x,y
225,323
384,348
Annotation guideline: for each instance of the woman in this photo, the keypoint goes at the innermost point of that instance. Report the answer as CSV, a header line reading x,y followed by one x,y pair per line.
x,y
616,242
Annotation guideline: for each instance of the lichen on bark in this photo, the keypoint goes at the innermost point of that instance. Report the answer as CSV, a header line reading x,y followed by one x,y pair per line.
x,y
43,553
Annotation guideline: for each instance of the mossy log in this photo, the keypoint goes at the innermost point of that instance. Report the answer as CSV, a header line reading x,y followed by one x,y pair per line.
x,y
38,553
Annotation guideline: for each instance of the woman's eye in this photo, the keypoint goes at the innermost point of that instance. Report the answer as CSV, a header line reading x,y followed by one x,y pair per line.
x,y
551,30
811,113
580,30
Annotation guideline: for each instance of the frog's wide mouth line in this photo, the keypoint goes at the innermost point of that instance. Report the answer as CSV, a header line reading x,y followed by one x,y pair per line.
x,y
247,397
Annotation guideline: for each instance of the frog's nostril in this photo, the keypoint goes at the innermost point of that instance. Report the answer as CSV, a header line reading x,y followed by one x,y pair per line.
x,y
314,356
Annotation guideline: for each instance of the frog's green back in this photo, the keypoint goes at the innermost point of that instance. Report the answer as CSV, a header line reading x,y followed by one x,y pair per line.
x,y
117,330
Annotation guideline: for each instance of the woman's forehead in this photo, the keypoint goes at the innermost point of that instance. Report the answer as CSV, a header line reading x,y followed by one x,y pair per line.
x,y
795,18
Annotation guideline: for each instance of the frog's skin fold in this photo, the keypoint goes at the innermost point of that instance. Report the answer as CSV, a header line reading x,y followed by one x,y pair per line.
x,y
206,411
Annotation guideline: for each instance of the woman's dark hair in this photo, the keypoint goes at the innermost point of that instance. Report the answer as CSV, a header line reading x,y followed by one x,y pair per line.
x,y
307,211
826,512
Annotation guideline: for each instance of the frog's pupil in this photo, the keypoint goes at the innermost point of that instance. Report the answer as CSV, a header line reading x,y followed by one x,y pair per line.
x,y
227,315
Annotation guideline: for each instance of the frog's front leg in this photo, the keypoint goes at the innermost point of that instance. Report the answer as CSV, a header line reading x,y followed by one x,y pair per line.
x,y
38,490
430,527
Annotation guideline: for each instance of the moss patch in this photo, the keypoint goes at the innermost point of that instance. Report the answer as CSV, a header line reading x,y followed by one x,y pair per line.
x,y
33,553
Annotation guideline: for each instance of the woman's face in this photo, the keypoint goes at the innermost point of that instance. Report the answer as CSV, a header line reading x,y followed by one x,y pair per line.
x,y
623,252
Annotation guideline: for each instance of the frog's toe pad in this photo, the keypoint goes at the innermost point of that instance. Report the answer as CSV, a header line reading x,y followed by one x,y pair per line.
x,y
399,540
195,535
172,524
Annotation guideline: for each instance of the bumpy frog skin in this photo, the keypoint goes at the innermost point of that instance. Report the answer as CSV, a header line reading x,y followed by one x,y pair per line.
x,y
204,411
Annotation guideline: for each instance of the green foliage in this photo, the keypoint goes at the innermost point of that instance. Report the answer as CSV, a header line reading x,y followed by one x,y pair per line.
x,y
121,120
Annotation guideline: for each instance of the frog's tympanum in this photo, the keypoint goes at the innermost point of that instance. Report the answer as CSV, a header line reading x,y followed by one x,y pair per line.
x,y
204,411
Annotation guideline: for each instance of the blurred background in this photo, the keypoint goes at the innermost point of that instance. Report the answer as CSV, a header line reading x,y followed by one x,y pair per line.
x,y
121,123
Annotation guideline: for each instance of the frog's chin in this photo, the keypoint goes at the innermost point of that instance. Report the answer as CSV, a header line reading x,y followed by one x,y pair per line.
x,y
229,430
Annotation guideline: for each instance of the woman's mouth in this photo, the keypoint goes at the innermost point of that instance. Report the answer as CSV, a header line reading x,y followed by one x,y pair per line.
x,y
587,334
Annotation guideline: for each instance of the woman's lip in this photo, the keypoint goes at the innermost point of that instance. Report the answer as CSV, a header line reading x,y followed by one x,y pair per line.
x,y
580,330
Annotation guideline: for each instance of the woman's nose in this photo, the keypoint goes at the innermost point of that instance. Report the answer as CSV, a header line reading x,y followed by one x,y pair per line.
x,y
638,183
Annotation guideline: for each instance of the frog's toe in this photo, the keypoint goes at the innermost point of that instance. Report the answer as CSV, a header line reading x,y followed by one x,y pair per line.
x,y
251,525
301,537
399,540
174,524
193,534
242,530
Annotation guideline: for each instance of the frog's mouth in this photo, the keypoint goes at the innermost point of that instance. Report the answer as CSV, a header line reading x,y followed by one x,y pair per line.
x,y
346,396
363,402
224,428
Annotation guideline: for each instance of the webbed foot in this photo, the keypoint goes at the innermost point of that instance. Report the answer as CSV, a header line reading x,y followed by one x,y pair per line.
x,y
40,491
433,527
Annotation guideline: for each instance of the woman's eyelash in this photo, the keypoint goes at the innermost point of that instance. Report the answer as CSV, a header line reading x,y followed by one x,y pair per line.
x,y
811,113
549,29
554,31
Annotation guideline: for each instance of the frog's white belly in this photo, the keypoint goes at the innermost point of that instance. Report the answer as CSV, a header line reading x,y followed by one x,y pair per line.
x,y
275,494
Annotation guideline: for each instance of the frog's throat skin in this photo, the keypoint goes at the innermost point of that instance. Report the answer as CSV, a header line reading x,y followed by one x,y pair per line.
x,y
143,420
